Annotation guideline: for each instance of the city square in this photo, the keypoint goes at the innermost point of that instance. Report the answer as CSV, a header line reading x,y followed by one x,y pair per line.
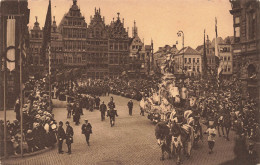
x,y
94,91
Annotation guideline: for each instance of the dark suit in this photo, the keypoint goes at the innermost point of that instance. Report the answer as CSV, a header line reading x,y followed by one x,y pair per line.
x,y
130,107
103,109
86,130
61,136
69,137
76,115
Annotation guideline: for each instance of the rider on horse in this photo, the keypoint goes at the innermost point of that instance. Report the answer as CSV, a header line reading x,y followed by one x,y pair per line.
x,y
112,112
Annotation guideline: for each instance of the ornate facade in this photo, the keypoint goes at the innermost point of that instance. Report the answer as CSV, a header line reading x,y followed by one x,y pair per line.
x,y
100,50
118,49
97,53
246,21
73,29
138,58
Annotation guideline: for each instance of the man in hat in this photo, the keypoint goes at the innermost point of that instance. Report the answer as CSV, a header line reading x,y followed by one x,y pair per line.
x,y
103,109
130,107
61,136
86,130
69,136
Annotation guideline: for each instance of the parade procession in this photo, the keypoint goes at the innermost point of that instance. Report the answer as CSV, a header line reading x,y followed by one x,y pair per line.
x,y
90,90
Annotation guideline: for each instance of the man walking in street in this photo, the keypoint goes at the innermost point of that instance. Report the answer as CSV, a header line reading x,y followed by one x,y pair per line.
x,y
61,136
86,130
69,108
103,109
130,107
211,137
69,136
76,114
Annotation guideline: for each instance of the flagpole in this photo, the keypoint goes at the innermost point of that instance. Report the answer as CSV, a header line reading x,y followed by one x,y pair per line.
x,y
50,75
21,79
4,55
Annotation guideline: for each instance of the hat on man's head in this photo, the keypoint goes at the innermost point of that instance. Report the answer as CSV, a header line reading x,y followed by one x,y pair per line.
x,y
60,122
86,120
67,122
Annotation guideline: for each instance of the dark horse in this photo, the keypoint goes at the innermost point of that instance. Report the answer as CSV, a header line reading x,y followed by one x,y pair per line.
x,y
163,136
181,135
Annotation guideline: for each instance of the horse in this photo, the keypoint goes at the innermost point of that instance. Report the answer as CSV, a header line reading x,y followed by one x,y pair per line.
x,y
227,124
162,134
182,139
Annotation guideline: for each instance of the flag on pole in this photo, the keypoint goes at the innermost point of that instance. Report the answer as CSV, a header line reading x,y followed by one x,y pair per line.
x,y
46,32
10,41
219,63
204,56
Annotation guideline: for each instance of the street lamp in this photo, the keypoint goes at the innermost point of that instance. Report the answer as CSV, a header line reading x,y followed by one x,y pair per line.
x,y
180,33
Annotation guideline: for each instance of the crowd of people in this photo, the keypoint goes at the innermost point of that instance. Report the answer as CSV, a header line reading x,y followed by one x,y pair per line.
x,y
39,126
134,88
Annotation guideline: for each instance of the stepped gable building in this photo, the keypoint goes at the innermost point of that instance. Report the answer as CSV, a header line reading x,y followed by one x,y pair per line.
x,y
37,66
246,46
34,58
97,52
137,59
57,45
73,29
118,50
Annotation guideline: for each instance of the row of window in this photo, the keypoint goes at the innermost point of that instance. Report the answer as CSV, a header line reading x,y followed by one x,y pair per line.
x,y
226,58
74,33
118,46
193,60
137,47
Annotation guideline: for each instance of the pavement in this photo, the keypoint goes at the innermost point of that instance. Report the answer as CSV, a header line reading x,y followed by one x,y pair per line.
x,y
130,141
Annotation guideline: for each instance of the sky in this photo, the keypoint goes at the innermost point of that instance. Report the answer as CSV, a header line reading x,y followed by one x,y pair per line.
x,y
159,20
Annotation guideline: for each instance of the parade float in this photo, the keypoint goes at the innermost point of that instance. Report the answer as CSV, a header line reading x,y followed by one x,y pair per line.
x,y
164,102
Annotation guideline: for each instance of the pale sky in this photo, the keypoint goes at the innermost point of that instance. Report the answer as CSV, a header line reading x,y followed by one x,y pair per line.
x,y
156,19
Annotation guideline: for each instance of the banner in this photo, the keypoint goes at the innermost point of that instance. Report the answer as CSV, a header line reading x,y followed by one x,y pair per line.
x,y
10,41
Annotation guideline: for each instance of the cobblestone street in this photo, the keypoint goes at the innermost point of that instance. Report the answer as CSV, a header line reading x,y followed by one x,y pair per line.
x,y
131,141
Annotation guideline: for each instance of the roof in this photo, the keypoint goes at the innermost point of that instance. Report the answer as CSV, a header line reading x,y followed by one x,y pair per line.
x,y
188,51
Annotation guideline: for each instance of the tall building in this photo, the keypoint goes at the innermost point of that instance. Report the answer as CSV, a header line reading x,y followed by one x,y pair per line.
x,y
97,52
246,23
137,59
36,63
7,9
97,49
118,50
73,29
